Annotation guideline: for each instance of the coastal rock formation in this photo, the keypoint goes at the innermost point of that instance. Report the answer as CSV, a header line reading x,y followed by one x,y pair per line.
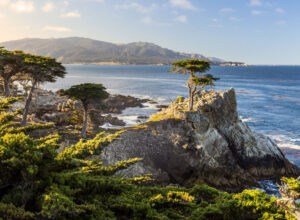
x,y
117,103
209,144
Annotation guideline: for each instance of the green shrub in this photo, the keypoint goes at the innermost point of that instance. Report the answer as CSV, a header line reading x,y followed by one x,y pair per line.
x,y
204,193
9,211
255,204
291,186
85,148
6,103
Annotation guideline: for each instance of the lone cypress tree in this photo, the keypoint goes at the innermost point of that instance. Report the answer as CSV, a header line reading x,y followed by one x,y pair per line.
x,y
194,67
86,93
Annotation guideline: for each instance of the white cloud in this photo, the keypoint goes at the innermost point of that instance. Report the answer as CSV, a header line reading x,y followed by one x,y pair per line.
x,y
256,12
23,6
57,29
71,14
181,18
136,6
280,10
255,2
184,4
49,6
4,2
227,10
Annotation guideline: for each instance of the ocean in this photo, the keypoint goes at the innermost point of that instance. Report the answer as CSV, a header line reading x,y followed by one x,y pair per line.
x,y
268,96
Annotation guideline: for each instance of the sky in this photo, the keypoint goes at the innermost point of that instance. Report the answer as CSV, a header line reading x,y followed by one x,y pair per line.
x,y
251,31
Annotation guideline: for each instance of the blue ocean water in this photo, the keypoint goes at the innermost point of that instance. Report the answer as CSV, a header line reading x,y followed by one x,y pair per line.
x,y
268,96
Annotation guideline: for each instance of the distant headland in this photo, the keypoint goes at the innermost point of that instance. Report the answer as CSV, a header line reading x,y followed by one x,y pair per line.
x,y
77,50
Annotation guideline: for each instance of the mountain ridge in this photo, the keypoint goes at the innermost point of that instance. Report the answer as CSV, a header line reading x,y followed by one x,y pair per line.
x,y
85,50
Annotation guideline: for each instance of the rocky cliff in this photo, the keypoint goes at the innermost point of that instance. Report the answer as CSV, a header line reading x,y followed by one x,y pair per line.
x,y
209,144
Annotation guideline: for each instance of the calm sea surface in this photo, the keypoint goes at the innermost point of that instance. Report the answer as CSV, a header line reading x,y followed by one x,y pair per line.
x,y
268,96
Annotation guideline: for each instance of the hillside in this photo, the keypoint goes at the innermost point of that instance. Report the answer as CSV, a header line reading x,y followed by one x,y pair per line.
x,y
84,50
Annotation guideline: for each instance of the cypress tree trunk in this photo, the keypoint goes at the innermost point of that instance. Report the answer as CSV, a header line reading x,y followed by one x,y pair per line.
x,y
6,87
27,104
191,94
191,99
85,121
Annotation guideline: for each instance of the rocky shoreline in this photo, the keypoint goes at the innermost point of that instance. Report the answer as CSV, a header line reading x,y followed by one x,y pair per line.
x,y
48,106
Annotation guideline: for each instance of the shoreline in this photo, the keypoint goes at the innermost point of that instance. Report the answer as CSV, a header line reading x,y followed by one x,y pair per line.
x,y
114,64
130,64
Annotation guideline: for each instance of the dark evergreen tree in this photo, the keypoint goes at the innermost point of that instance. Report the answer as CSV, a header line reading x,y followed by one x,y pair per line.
x,y
192,67
86,93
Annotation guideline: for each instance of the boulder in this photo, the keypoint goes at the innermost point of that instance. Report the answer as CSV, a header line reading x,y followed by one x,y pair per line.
x,y
117,103
209,144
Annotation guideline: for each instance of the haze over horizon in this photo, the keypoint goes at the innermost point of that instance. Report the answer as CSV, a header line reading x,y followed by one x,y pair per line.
x,y
251,31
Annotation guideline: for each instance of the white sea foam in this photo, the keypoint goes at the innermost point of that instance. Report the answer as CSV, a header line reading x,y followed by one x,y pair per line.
x,y
148,105
130,120
247,119
110,126
289,145
283,141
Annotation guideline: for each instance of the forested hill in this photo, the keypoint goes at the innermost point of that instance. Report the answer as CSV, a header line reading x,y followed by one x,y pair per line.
x,y
84,50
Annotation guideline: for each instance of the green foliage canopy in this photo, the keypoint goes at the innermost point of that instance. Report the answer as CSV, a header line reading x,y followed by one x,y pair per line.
x,y
205,80
190,66
42,69
87,92
11,63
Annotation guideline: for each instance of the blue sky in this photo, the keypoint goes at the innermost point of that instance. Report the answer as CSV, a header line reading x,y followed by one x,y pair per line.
x,y
253,31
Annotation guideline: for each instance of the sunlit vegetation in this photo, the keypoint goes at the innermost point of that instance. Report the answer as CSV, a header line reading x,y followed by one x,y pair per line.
x,y
87,148
291,187
292,184
162,116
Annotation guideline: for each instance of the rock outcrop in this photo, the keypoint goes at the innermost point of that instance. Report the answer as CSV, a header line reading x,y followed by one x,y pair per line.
x,y
209,144
52,107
